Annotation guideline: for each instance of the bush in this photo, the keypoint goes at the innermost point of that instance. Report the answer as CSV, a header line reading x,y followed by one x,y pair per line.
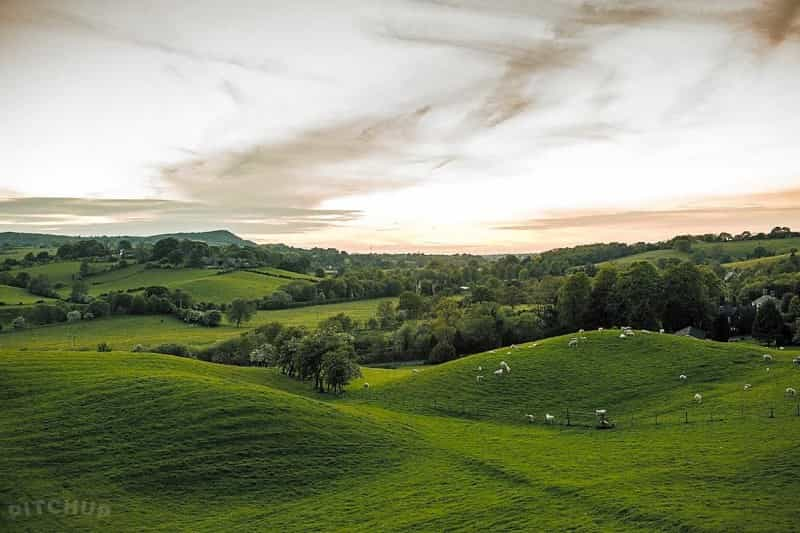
x,y
99,308
181,350
138,349
103,347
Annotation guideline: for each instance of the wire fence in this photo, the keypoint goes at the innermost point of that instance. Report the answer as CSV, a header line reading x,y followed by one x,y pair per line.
x,y
581,418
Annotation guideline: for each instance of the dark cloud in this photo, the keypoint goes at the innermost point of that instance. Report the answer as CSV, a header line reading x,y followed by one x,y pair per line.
x,y
778,20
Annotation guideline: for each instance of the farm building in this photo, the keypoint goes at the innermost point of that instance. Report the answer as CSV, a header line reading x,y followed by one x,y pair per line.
x,y
761,300
691,331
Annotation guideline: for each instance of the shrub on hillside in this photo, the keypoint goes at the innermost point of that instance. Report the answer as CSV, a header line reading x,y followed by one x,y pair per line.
x,y
103,347
180,350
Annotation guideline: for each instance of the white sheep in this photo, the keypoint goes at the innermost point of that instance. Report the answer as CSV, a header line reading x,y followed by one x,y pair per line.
x,y
573,343
767,358
600,412
683,377
698,398
580,331
623,336
796,361
549,418
781,348
366,385
661,331
415,370
531,418
747,386
513,347
599,329
504,366
791,392
478,379
498,372
480,369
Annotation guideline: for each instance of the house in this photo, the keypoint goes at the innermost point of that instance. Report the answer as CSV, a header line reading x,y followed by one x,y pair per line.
x,y
691,331
761,300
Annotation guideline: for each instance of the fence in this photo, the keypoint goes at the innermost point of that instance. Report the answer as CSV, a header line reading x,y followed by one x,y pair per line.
x,y
577,418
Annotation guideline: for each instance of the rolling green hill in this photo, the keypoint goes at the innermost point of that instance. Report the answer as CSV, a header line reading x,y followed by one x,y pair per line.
x,y
17,296
177,445
170,444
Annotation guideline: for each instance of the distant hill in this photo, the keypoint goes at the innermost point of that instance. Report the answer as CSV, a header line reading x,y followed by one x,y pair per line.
x,y
44,240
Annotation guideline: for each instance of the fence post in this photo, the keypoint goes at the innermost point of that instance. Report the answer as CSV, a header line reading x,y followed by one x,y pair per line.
x,y
772,412
568,422
685,416
656,419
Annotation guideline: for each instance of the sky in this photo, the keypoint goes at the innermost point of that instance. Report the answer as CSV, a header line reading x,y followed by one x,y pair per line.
x,y
480,126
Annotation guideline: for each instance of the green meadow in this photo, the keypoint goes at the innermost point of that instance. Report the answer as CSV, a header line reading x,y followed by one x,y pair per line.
x,y
124,332
171,444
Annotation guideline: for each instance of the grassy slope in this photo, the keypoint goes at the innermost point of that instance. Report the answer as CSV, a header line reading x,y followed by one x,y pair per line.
x,y
173,444
737,249
123,332
203,284
17,296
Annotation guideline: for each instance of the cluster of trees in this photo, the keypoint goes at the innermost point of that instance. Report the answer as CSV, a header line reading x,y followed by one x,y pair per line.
x,y
325,357
38,285
641,296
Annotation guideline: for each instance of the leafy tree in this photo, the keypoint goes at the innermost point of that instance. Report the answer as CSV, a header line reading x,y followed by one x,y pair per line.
x,y
387,315
573,300
80,292
40,286
339,367
84,270
768,324
240,311
412,304
686,298
125,245
639,295
442,352
138,305
601,310
794,308
682,244
164,247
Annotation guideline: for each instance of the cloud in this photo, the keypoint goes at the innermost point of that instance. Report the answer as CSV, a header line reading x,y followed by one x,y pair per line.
x,y
346,158
778,20
142,216
761,210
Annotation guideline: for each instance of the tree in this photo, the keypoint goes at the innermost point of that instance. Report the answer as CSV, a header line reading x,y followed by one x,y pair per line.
x,y
387,315
768,324
686,298
84,270
138,305
80,292
683,245
573,300
40,286
601,312
442,352
794,308
240,311
638,296
339,367
412,303
125,245
164,247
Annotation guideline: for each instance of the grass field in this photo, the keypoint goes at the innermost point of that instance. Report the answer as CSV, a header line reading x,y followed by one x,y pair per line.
x,y
20,253
739,250
17,296
753,263
170,444
124,332
203,284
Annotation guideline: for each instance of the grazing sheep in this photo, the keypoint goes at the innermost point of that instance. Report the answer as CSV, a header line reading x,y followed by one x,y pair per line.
x,y
796,361
573,343
781,348
661,331
791,392
478,379
767,369
498,372
480,369
698,398
366,385
683,377
747,386
580,331
491,351
531,419
504,366
415,370
767,358
550,419
599,329
623,336
600,412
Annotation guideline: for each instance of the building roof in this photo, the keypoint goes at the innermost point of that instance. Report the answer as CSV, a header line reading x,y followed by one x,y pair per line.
x,y
691,331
